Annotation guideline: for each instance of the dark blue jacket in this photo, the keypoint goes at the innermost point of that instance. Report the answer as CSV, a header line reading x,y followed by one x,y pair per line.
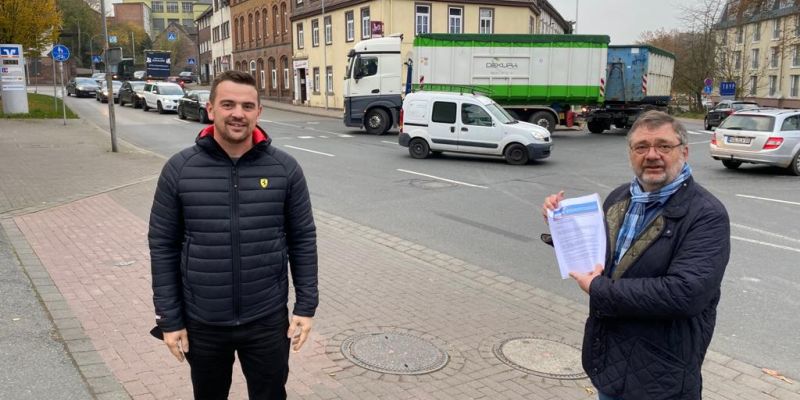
x,y
650,323
223,234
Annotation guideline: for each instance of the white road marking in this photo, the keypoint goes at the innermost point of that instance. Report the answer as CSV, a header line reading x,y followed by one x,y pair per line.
x,y
185,122
696,133
341,135
323,137
386,141
763,232
305,137
768,199
310,151
442,179
312,122
777,246
704,141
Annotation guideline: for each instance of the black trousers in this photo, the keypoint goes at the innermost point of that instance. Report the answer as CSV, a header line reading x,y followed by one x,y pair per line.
x,y
263,351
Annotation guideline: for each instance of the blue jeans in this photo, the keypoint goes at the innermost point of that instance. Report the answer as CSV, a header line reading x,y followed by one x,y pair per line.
x,y
600,396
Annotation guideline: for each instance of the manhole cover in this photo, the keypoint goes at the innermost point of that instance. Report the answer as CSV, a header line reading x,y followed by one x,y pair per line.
x,y
394,353
541,357
431,184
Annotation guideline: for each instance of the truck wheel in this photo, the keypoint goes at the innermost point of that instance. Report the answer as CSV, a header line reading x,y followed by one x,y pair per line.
x,y
516,154
731,164
596,127
543,119
376,121
418,148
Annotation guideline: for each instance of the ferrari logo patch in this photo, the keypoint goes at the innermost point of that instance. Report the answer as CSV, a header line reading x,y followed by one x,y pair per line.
x,y
264,183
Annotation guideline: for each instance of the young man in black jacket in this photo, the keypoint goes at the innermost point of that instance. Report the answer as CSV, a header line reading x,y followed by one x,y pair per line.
x,y
653,305
231,217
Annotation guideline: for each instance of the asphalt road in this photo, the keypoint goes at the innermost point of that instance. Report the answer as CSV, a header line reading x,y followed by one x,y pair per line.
x,y
486,212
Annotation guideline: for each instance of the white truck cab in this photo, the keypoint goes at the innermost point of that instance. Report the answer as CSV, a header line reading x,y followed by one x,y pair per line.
x,y
468,123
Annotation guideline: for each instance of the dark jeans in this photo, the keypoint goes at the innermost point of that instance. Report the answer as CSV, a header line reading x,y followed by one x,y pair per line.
x,y
263,350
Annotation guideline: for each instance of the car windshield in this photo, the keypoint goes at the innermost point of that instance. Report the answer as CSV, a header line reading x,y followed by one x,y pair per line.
x,y
758,123
85,81
185,74
98,75
744,106
502,115
170,90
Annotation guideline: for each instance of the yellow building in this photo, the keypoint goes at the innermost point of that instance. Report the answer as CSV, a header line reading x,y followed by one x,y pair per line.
x,y
323,39
163,12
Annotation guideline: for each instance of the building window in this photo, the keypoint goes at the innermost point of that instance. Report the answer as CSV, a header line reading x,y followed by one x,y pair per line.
x,y
797,26
187,22
757,31
454,20
486,21
186,7
754,56
158,6
737,60
172,6
158,24
301,37
258,25
753,84
349,26
739,35
284,18
329,79
776,29
328,30
263,79
264,23
275,22
316,80
285,64
773,57
795,82
315,33
423,19
226,29
253,68
250,27
366,30
273,73
531,25
773,85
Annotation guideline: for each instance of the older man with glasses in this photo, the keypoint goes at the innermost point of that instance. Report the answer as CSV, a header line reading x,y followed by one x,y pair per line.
x,y
652,306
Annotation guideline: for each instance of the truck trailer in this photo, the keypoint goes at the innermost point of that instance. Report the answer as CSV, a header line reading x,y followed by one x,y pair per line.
x,y
158,64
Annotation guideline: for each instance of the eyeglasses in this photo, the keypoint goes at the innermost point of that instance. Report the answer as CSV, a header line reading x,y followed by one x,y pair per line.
x,y
643,149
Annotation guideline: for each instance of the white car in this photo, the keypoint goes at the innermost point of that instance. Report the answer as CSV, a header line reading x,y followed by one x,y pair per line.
x,y
468,123
163,96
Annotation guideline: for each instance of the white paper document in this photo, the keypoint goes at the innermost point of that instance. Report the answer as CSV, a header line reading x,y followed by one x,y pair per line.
x,y
579,234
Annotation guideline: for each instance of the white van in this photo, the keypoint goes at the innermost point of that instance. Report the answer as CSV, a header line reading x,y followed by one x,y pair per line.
x,y
468,123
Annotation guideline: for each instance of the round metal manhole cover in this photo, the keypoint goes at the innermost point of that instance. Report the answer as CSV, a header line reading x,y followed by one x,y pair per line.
x,y
541,357
394,353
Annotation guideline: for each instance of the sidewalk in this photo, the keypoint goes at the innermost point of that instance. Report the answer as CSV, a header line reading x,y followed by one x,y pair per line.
x,y
76,216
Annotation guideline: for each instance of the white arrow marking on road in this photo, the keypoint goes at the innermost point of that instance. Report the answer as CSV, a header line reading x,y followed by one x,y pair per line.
x,y
777,246
442,179
310,151
767,199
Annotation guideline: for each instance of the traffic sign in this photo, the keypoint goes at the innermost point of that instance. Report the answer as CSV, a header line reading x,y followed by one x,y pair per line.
x,y
190,61
60,53
112,39
727,88
96,59
708,82
707,90
171,36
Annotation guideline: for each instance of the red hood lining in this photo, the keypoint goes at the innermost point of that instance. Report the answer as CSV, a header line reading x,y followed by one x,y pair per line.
x,y
258,134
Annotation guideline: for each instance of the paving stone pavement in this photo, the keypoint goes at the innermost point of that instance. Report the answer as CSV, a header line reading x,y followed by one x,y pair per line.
x,y
86,255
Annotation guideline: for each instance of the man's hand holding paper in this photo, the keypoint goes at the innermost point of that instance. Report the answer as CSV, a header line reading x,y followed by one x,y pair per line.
x,y
578,232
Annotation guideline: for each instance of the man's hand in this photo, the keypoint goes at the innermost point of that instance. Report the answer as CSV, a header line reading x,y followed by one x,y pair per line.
x,y
177,342
298,331
551,203
584,280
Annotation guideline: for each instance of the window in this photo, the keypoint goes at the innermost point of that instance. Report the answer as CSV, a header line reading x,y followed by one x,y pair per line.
x,y
158,6
250,27
754,56
349,26
284,17
328,30
773,85
367,66
172,6
273,73
316,80
275,22
301,37
366,30
797,26
253,68
444,112
757,31
263,79
215,34
454,24
315,33
795,82
285,64
226,29
258,25
532,26
737,60
423,19
186,7
473,114
791,123
796,55
187,22
486,21
753,85
776,29
773,57
158,24
739,35
329,79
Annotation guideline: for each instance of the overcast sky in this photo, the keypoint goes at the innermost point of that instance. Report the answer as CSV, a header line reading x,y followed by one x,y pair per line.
x,y
622,20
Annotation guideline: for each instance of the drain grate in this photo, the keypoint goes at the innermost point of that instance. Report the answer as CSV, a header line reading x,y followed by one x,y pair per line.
x,y
394,353
547,358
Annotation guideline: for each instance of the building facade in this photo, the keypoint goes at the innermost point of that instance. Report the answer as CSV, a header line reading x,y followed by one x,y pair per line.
x,y
262,44
759,46
135,13
221,43
164,12
204,46
322,40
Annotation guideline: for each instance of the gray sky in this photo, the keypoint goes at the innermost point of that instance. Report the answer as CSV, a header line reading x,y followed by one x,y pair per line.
x,y
622,20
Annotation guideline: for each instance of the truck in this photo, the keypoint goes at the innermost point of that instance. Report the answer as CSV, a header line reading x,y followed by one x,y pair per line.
x,y
536,78
638,79
157,64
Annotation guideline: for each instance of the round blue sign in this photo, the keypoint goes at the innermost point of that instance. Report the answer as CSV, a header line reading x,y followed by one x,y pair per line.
x,y
60,53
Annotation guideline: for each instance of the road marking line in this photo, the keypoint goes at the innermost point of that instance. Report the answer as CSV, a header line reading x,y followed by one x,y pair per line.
x,y
342,135
695,133
305,137
386,141
185,122
768,199
442,179
777,246
310,151
704,141
763,232
323,137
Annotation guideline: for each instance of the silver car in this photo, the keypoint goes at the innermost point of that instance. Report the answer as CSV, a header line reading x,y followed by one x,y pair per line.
x,y
763,136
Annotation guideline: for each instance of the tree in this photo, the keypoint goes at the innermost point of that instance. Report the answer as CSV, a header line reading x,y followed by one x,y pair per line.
x,y
141,41
34,24
81,23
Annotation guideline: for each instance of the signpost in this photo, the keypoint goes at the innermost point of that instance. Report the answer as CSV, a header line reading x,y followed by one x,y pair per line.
x,y
12,79
60,53
727,90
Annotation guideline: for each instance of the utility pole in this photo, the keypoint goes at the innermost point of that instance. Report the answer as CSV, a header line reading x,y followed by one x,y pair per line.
x,y
111,120
575,31
133,47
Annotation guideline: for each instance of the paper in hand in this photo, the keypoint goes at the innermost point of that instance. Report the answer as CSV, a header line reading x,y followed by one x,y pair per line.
x,y
579,234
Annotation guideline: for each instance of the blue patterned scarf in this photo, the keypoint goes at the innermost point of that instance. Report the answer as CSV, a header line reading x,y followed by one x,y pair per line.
x,y
643,208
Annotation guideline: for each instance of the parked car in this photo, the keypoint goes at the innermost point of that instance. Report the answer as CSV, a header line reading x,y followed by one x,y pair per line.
x,y
101,94
99,76
761,136
468,123
193,105
131,93
725,108
186,77
163,96
80,87
139,75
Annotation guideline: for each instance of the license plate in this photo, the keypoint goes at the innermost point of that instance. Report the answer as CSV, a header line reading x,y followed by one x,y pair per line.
x,y
739,140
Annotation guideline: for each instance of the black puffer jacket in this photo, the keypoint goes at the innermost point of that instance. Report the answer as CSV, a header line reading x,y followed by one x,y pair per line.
x,y
222,235
650,325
